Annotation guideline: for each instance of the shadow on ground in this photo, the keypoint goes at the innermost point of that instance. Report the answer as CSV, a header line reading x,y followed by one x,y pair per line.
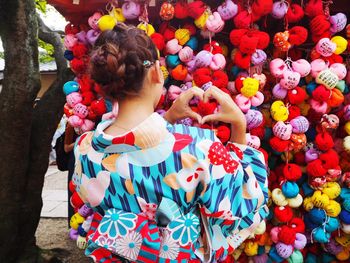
x,y
52,238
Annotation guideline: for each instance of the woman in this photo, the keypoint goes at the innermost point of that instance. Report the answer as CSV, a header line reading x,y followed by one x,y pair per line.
x,y
69,140
163,192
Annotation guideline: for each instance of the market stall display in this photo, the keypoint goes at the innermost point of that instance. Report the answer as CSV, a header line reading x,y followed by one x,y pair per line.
x,y
285,64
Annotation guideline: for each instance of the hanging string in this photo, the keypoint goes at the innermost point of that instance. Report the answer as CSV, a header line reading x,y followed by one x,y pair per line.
x,y
326,4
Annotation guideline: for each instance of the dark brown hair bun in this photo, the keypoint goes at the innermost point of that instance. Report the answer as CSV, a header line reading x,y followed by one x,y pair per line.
x,y
117,61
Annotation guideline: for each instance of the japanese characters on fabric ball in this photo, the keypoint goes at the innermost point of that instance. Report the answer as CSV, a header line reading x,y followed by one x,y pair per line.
x,y
284,65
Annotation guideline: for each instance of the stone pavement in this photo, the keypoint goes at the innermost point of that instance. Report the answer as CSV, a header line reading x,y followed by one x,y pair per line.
x,y
55,195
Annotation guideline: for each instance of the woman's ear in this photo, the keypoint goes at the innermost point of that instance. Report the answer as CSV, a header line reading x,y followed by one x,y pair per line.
x,y
156,74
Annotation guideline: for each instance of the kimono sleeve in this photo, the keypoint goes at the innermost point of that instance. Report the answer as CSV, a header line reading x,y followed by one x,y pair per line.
x,y
234,204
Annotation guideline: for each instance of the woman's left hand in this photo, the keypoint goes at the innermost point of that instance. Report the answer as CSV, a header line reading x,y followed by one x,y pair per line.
x,y
181,108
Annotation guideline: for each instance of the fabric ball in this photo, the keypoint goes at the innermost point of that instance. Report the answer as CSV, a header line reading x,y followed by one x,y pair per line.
x,y
278,144
283,213
181,10
236,36
78,66
297,224
168,34
317,216
315,168
330,159
214,47
344,216
179,72
248,44
182,35
196,9
292,172
287,235
324,141
321,93
284,250
206,108
264,39
242,60
290,189
314,8
262,7
172,61
158,40
192,43
297,35
296,95
202,76
79,50
336,98
295,13
243,19
223,133
68,54
219,79
294,111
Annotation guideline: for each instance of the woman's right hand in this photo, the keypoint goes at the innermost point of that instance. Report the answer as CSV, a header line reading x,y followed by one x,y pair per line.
x,y
181,108
228,112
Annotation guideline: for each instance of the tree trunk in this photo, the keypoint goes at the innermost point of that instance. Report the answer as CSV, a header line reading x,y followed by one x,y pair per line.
x,y
20,85
26,133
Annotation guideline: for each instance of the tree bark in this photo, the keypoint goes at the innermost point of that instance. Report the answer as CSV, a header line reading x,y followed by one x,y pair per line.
x,y
26,132
18,31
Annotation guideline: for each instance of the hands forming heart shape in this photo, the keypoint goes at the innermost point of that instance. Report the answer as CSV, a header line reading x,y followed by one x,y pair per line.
x,y
227,112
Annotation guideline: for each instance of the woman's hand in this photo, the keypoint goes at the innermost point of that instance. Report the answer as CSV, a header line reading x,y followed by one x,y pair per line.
x,y
228,112
181,108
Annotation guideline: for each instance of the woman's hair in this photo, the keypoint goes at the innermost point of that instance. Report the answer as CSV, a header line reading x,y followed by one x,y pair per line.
x,y
120,59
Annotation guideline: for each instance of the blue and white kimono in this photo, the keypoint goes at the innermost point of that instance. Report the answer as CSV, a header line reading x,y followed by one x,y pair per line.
x,y
168,193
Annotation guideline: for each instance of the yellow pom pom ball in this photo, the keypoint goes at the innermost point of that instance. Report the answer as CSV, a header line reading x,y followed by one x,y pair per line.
x,y
182,35
200,21
118,15
332,189
106,22
333,209
251,248
164,71
76,220
279,111
341,43
347,127
308,204
148,28
250,87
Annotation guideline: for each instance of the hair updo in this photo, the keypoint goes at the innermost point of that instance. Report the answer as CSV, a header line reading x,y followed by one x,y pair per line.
x,y
118,60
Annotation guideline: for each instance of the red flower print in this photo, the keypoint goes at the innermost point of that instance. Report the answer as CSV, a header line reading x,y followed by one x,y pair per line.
x,y
127,139
233,148
218,155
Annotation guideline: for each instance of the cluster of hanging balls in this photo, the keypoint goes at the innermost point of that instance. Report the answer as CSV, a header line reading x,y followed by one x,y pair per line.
x,y
295,97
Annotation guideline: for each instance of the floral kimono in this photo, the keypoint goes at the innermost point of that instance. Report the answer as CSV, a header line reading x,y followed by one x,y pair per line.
x,y
168,193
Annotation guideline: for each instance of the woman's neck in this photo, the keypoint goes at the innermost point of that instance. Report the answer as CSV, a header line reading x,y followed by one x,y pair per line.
x,y
131,113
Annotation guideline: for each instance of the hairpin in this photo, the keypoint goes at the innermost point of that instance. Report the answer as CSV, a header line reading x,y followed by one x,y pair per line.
x,y
147,63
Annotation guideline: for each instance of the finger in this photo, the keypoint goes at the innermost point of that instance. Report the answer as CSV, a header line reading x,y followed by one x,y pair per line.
x,y
193,92
195,116
210,118
214,92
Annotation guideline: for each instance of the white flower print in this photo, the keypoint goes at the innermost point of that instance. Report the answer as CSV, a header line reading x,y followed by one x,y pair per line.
x,y
128,246
117,223
105,242
169,249
185,229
